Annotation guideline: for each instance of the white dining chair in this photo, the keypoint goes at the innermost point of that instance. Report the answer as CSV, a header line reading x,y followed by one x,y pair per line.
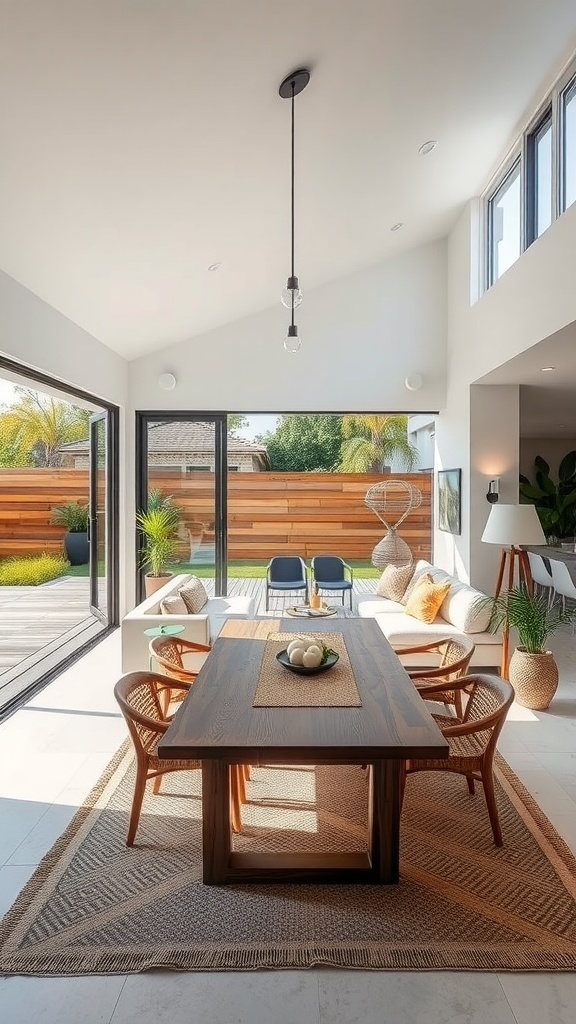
x,y
563,583
541,576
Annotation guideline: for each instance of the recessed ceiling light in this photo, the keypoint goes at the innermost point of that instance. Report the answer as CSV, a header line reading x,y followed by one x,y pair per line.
x,y
547,369
396,227
427,147
214,266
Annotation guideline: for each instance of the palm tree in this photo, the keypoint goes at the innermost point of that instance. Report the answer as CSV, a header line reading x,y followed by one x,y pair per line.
x,y
45,423
371,442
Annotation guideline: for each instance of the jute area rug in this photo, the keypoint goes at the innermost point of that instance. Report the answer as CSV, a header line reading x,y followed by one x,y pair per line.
x,y
96,907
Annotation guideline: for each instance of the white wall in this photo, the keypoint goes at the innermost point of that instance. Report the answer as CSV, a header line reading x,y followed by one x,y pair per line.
x,y
39,337
361,336
535,298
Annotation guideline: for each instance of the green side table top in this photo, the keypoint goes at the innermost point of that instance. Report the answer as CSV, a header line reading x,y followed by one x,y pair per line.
x,y
170,629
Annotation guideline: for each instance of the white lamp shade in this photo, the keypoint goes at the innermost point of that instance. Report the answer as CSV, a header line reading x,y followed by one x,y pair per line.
x,y
513,525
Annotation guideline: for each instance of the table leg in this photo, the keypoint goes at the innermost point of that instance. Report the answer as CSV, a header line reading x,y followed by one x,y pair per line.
x,y
216,838
384,820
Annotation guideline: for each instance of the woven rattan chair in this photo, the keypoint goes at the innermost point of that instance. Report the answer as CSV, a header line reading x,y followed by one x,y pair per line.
x,y
180,660
472,741
454,653
139,695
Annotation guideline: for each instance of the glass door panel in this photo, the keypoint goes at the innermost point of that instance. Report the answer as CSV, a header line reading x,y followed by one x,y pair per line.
x,y
98,527
181,459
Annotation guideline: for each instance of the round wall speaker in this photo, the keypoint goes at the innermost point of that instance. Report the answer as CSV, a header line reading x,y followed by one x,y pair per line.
x,y
167,381
413,381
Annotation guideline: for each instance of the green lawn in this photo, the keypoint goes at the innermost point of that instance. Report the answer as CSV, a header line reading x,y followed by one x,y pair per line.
x,y
246,568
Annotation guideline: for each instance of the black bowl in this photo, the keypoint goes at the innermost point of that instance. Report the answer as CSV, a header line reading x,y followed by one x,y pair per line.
x,y
301,670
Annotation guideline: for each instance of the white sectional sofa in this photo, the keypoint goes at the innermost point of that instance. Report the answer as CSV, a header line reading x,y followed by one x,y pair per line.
x,y
202,627
459,614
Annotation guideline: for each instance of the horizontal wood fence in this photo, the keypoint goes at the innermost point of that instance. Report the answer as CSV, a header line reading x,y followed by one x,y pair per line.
x,y
27,497
297,513
268,513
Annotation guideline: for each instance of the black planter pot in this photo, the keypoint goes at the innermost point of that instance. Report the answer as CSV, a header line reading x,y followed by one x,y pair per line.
x,y
76,548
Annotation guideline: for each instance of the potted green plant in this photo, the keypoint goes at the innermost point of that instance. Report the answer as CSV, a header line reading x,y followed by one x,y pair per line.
x,y
74,517
158,525
533,671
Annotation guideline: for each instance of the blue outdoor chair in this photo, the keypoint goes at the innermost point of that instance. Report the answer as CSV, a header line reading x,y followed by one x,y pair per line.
x,y
329,572
286,572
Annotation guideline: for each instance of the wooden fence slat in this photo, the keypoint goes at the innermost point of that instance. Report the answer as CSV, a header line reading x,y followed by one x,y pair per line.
x,y
268,513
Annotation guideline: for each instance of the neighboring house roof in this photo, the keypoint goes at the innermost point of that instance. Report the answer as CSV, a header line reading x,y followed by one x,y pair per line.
x,y
183,436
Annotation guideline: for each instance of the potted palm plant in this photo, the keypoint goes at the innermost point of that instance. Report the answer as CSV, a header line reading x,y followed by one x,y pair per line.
x,y
74,517
533,671
158,525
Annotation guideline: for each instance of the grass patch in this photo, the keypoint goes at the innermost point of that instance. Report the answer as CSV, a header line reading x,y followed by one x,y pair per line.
x,y
246,568
254,569
32,570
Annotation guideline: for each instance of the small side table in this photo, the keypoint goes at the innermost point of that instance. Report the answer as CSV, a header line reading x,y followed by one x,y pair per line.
x,y
170,629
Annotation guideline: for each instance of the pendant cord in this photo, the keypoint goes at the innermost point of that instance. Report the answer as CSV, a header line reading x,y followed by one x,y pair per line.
x,y
292,184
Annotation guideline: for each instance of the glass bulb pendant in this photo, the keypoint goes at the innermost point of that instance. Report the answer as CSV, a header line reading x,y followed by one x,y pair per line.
x,y
292,342
291,295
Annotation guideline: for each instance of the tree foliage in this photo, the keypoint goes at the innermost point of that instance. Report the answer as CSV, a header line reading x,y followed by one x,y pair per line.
x,y
304,443
372,441
32,430
236,420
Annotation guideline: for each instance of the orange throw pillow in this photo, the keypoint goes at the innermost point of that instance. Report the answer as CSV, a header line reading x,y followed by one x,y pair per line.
x,y
425,600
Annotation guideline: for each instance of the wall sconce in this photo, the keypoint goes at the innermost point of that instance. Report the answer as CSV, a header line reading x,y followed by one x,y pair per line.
x,y
166,381
493,492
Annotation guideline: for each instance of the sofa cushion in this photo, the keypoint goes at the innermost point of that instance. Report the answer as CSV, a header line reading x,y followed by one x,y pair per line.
x,y
426,598
370,604
194,595
461,606
405,631
173,605
222,608
394,580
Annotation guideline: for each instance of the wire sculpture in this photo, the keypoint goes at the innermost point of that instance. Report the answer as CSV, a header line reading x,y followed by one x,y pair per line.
x,y
392,501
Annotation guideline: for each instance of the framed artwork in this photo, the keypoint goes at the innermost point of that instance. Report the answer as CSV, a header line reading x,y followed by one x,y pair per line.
x,y
449,485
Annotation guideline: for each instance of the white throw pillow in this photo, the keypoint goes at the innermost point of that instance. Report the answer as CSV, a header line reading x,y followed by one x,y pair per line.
x,y
194,595
394,580
173,605
461,608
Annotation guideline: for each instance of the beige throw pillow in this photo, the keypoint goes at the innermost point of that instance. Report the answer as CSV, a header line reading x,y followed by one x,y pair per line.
x,y
173,605
394,580
194,595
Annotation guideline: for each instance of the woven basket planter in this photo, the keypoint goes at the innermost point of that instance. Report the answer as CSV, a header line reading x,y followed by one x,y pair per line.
x,y
534,678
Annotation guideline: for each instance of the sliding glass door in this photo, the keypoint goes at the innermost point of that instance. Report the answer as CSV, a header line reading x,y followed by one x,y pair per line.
x,y
181,462
98,518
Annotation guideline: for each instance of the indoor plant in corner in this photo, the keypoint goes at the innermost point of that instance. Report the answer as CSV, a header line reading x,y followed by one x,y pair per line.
x,y
158,525
533,671
74,517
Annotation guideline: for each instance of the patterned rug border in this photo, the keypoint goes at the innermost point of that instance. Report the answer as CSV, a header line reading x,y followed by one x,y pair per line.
x,y
288,956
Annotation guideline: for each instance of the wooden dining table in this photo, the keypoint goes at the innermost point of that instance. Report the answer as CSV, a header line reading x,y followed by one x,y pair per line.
x,y
218,724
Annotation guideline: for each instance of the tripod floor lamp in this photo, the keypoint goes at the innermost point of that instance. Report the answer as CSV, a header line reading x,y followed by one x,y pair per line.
x,y
511,526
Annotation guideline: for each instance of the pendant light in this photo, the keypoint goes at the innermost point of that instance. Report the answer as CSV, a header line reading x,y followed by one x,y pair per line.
x,y
292,296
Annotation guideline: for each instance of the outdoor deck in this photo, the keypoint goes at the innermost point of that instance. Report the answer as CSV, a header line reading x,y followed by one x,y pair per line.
x,y
256,588
36,622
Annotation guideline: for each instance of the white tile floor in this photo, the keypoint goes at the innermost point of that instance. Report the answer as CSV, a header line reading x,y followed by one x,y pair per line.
x,y
53,750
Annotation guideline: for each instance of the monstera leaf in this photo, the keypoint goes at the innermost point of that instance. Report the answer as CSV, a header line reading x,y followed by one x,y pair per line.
x,y
555,503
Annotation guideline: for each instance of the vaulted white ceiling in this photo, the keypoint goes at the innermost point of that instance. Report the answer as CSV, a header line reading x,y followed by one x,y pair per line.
x,y
143,140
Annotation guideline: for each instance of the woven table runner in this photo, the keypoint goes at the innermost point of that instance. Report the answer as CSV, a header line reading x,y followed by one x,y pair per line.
x,y
279,688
